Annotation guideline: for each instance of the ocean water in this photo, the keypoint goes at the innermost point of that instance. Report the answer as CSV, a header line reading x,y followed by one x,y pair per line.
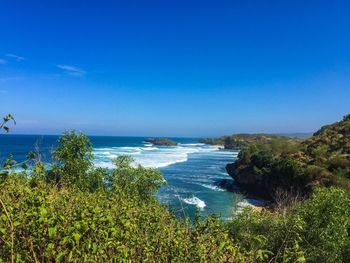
x,y
193,172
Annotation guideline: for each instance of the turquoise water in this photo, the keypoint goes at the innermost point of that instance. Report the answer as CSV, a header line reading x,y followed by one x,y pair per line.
x,y
193,171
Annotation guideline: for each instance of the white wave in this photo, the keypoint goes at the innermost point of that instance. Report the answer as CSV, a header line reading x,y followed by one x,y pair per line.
x,y
149,148
103,149
105,153
128,148
224,152
148,144
253,203
244,204
103,164
110,156
191,144
151,156
195,201
212,187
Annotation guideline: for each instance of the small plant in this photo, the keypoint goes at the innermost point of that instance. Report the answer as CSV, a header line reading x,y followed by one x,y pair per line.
x,y
6,119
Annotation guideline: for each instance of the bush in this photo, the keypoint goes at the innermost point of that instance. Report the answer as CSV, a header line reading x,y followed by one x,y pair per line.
x,y
288,174
73,159
317,230
135,181
326,237
96,215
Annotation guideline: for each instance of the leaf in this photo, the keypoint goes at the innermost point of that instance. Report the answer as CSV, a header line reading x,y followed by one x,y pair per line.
x,y
52,232
24,166
43,211
76,237
31,155
222,245
60,257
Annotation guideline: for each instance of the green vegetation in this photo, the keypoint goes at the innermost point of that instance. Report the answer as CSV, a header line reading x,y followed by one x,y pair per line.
x,y
161,141
292,165
238,141
316,230
77,212
5,120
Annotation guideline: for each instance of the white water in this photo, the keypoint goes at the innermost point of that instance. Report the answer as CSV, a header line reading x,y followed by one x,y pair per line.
x,y
213,187
150,156
195,201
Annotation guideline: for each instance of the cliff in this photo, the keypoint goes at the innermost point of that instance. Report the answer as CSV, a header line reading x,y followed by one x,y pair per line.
x,y
238,141
293,165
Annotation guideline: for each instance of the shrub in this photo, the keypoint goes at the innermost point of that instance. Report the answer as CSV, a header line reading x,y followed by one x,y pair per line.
x,y
73,159
95,215
288,174
316,230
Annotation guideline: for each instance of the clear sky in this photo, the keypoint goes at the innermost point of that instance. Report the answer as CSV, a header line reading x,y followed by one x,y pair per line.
x,y
174,68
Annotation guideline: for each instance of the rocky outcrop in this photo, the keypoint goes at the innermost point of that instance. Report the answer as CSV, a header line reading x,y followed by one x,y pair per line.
x,y
264,167
248,180
161,142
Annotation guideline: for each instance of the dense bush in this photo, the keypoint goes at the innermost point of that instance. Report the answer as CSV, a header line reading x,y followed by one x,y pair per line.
x,y
76,212
265,167
322,160
317,230
239,141
74,166
66,214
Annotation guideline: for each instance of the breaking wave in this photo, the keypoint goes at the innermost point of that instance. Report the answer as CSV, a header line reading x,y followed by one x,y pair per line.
x,y
149,155
195,201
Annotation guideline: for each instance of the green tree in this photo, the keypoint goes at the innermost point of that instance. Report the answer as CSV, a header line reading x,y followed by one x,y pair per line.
x,y
74,159
135,181
288,174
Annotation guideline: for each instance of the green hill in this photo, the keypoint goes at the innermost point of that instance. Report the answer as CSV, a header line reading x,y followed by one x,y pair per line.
x,y
294,165
237,141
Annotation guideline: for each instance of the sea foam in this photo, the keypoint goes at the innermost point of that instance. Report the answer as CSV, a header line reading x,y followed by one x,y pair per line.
x,y
212,187
149,156
195,201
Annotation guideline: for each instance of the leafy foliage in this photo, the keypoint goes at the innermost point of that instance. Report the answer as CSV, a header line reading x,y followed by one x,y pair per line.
x,y
74,159
314,231
239,141
76,212
92,214
138,181
10,162
6,119
324,159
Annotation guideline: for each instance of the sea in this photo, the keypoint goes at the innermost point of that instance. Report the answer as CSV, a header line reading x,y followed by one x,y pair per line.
x,y
196,179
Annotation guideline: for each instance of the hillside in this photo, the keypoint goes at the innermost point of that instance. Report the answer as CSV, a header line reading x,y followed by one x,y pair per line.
x,y
76,212
237,141
329,141
324,159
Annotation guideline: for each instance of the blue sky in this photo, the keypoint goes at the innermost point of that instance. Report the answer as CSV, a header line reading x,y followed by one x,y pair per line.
x,y
174,68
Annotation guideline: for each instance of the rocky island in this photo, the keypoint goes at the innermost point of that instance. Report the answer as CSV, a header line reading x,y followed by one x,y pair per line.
x,y
161,141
